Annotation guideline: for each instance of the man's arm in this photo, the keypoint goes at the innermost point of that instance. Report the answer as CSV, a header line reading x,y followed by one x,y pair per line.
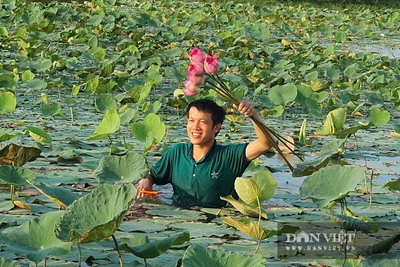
x,y
262,144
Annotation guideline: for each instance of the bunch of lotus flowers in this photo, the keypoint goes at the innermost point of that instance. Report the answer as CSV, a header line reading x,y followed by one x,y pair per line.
x,y
204,66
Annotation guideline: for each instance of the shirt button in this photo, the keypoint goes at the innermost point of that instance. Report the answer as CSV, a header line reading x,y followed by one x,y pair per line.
x,y
194,174
195,165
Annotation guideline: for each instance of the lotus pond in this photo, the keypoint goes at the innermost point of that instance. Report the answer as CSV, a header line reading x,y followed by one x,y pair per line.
x,y
91,95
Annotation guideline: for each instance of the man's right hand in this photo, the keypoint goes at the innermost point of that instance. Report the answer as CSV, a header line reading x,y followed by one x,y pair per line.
x,y
143,185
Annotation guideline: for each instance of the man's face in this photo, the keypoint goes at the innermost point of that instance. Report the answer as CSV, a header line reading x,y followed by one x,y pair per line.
x,y
200,127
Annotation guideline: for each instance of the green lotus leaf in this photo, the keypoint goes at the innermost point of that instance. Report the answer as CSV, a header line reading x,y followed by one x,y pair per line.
x,y
350,223
35,239
7,134
59,195
36,84
250,228
51,109
106,101
97,215
379,117
283,94
16,175
16,155
8,102
110,123
129,168
393,185
38,134
199,256
244,208
381,247
334,122
142,247
331,183
151,130
7,263
258,188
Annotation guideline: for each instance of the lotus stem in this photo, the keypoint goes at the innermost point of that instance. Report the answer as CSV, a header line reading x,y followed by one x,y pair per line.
x,y
121,263
80,254
12,189
222,89
258,246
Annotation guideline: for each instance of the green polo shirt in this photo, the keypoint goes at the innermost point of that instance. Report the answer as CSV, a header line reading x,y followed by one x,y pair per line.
x,y
201,183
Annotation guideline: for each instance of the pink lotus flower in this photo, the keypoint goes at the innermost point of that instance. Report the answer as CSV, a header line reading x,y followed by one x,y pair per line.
x,y
211,64
197,56
190,89
196,74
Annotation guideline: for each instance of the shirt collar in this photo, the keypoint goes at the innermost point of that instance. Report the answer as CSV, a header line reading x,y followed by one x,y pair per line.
x,y
190,152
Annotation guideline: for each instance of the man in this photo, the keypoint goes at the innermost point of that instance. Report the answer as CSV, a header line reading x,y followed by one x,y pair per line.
x,y
202,171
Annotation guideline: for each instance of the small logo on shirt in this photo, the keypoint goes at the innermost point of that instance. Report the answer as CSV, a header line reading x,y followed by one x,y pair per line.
x,y
214,175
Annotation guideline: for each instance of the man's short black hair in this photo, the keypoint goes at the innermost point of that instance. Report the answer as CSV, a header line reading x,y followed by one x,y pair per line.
x,y
206,105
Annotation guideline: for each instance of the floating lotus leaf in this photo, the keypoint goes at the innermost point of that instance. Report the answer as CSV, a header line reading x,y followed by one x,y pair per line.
x,y
383,246
7,134
18,155
16,175
59,195
97,215
199,256
350,223
141,246
393,185
129,168
7,263
331,183
35,239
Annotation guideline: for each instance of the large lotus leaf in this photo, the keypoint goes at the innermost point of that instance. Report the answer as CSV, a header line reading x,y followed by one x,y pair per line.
x,y
7,263
129,168
8,102
258,188
250,228
97,215
393,185
141,246
334,122
244,208
283,94
329,151
151,130
350,223
38,134
199,256
16,175
109,124
331,183
35,239
59,195
18,155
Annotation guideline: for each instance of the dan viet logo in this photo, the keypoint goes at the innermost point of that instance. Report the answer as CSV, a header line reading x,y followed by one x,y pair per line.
x,y
305,241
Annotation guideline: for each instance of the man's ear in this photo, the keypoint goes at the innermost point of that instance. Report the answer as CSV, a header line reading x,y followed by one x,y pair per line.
x,y
217,127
